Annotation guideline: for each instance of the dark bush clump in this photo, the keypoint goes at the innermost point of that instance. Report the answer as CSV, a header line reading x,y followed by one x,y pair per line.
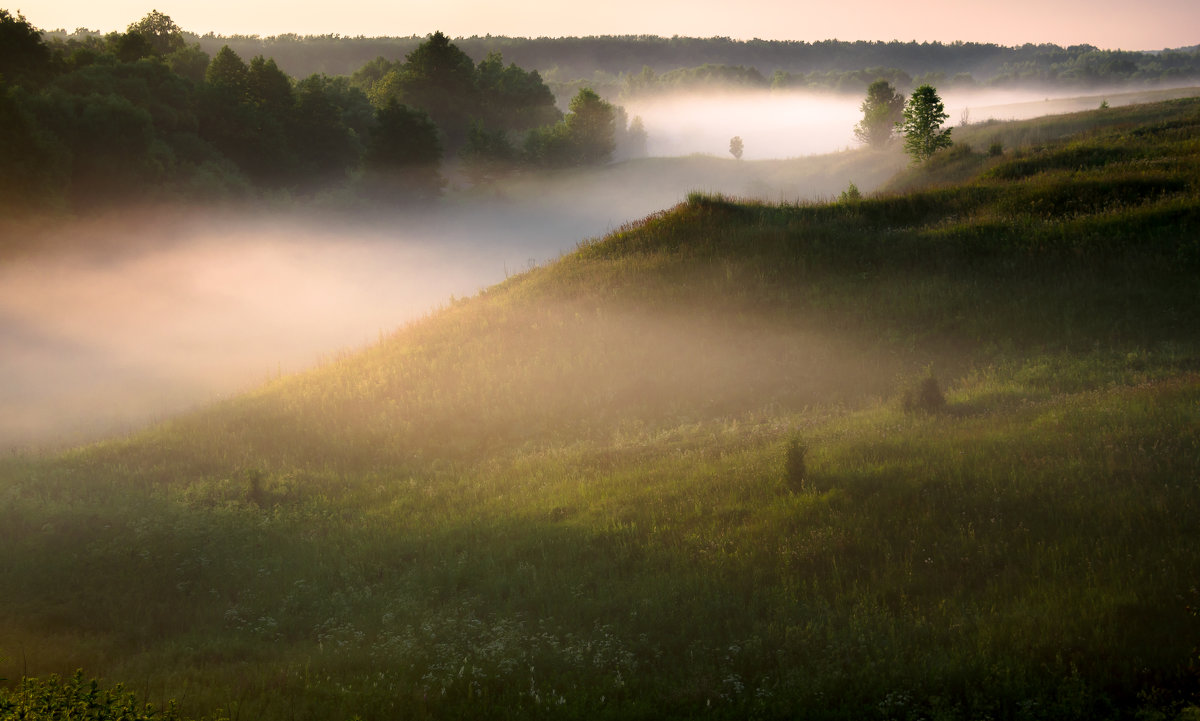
x,y
255,493
795,471
924,396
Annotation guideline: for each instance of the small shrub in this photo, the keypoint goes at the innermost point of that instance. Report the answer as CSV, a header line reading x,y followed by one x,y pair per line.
x,y
850,195
795,470
255,493
996,149
925,395
77,697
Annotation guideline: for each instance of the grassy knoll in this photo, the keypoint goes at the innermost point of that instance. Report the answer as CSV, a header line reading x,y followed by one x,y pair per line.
x,y
566,497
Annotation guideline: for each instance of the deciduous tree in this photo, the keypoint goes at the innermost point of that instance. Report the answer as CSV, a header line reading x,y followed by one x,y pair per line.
x,y
403,154
591,127
130,47
325,147
162,34
228,73
268,87
631,143
439,78
924,114
586,136
24,57
513,99
189,62
882,110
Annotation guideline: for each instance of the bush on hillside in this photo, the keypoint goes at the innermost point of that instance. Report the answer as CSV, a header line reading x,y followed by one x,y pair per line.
x,y
795,470
850,195
924,396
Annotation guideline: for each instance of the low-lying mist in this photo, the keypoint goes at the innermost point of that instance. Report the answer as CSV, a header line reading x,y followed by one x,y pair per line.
x,y
127,321
788,124
108,324
112,323
770,124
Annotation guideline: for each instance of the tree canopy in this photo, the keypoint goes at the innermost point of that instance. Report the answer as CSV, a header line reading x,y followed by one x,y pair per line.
x,y
586,136
590,125
228,72
162,34
511,98
831,64
882,110
90,120
403,153
921,126
24,57
439,78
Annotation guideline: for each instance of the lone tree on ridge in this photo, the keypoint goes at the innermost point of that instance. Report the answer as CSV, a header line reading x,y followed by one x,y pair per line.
x,y
735,147
922,125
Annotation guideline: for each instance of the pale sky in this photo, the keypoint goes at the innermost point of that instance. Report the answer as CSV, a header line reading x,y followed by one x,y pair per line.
x,y
1143,25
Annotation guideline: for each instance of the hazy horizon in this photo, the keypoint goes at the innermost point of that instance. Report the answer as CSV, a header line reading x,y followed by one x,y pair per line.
x,y
1151,25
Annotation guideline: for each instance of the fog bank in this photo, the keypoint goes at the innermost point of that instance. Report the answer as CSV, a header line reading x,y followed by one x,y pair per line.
x,y
113,323
788,124
108,324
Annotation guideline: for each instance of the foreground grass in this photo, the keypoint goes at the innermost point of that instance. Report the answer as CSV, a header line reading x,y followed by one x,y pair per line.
x,y
566,497
1027,549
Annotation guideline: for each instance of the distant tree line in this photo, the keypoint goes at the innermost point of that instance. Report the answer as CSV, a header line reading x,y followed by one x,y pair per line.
x,y
709,75
495,117
147,115
826,64
1093,68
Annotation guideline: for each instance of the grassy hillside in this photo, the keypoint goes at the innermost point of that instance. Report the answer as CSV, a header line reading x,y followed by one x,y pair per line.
x,y
566,497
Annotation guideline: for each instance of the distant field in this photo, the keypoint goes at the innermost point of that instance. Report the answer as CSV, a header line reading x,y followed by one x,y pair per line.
x,y
1057,105
579,493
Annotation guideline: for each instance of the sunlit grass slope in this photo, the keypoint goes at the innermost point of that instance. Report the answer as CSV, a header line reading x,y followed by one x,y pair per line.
x,y
565,497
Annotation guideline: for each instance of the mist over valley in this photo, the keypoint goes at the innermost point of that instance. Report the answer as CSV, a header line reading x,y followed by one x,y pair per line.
x,y
781,124
135,316
596,378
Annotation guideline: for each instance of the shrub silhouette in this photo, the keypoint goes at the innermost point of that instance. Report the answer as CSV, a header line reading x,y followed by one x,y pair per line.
x,y
795,470
924,396
255,493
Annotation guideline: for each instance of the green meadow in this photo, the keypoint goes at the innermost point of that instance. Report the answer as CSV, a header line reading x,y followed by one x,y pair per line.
x,y
686,471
